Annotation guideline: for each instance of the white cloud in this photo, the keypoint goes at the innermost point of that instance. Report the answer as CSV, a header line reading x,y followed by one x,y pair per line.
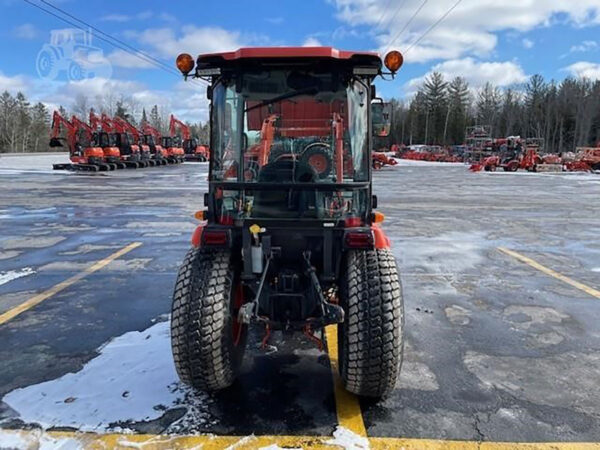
x,y
116,18
584,69
527,43
121,58
469,30
274,20
26,31
585,46
12,84
193,40
311,42
502,74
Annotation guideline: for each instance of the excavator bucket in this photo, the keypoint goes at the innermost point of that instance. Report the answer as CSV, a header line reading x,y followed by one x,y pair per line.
x,y
55,142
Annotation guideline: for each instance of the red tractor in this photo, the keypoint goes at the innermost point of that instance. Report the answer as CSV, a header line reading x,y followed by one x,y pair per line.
x,y
380,159
290,240
193,151
83,151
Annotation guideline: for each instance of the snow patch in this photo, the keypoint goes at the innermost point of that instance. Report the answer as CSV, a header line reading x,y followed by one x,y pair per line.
x,y
133,379
595,269
10,275
36,439
348,440
452,252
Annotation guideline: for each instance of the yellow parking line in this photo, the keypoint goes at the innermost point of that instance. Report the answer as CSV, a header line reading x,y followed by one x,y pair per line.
x,y
29,439
39,298
347,406
530,262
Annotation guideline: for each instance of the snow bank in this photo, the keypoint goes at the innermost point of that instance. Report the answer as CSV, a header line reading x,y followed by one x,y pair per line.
x,y
28,162
348,440
132,380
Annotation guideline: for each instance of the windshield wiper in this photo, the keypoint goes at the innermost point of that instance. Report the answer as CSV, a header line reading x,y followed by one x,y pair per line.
x,y
285,96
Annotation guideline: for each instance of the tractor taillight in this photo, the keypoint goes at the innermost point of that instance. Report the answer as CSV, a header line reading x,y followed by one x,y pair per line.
x,y
359,239
353,222
212,237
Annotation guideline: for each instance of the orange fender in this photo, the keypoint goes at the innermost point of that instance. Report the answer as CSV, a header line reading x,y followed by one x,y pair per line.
x,y
381,240
197,236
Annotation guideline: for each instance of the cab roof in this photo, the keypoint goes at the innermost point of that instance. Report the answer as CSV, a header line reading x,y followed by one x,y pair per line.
x,y
289,54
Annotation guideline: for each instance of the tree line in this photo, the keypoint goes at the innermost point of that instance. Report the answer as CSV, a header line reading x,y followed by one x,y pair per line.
x,y
26,127
566,114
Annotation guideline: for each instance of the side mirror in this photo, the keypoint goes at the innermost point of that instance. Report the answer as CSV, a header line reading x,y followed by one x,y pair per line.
x,y
381,118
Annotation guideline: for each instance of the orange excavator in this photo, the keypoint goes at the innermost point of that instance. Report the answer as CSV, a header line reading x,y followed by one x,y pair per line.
x,y
107,141
155,140
192,149
84,154
133,135
130,151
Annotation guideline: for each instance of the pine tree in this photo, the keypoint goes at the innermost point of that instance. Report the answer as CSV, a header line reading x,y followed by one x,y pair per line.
x,y
459,99
434,90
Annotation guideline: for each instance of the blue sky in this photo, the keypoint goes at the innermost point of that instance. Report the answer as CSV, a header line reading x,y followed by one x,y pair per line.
x,y
503,42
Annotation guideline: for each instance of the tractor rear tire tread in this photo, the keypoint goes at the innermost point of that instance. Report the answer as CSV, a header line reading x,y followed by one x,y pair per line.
x,y
201,333
371,343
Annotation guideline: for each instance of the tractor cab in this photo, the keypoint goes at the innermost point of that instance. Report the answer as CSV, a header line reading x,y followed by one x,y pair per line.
x,y
290,238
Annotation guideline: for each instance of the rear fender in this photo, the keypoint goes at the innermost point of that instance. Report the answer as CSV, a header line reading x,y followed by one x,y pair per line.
x,y
197,236
381,240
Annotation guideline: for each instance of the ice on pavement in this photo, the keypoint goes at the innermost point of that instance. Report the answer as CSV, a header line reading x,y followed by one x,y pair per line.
x,y
348,440
133,379
449,253
10,275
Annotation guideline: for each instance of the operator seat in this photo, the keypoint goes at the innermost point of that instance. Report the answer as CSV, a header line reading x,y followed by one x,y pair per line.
x,y
285,203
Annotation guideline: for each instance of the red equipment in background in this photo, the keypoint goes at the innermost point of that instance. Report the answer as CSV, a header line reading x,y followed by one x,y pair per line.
x,y
107,141
130,151
153,138
380,159
587,159
133,135
83,157
193,151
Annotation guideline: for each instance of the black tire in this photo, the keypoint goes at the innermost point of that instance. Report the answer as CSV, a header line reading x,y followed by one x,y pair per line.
x,y
319,153
202,335
370,339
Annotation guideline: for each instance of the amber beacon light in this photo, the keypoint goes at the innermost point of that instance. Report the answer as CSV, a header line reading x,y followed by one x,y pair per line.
x,y
185,63
393,61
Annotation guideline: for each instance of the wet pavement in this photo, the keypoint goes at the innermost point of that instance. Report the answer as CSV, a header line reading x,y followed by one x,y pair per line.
x,y
495,350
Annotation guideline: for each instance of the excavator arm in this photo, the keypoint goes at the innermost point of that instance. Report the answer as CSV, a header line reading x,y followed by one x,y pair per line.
x,y
176,123
60,123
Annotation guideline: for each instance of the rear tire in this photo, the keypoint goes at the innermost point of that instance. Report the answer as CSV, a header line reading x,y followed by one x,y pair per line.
x,y
205,350
370,339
